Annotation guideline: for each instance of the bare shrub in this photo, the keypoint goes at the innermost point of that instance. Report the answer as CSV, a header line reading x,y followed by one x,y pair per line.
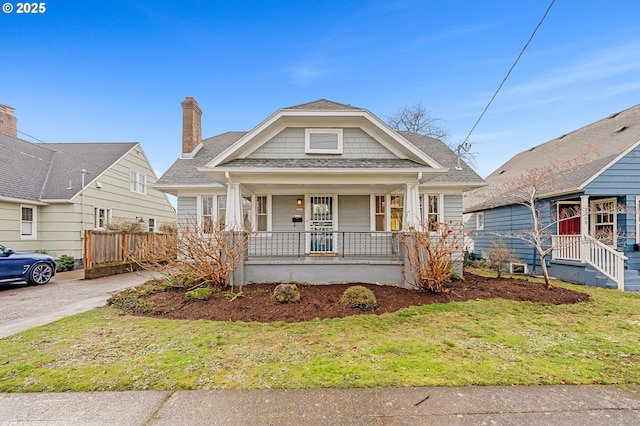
x,y
205,259
499,255
434,253
124,225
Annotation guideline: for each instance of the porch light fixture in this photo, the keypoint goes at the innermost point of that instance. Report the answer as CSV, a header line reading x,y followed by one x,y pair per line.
x,y
299,202
140,219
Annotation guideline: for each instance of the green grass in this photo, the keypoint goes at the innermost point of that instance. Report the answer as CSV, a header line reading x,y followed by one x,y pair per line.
x,y
472,343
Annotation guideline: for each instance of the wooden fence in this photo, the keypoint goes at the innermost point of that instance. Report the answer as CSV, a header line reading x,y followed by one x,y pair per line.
x,y
101,248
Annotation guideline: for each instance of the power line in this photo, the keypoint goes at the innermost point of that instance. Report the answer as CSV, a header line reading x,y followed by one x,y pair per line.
x,y
509,73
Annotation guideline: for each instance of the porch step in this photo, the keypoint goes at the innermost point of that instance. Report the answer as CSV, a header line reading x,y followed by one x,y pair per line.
x,y
632,280
596,278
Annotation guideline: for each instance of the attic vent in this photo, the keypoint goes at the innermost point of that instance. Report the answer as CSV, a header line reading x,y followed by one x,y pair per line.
x,y
621,129
501,172
532,149
563,136
613,116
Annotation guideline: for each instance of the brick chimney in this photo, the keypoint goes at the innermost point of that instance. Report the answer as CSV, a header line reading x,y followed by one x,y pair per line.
x,y
8,122
191,125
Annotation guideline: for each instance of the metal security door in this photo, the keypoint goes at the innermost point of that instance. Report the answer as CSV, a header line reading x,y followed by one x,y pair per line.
x,y
321,224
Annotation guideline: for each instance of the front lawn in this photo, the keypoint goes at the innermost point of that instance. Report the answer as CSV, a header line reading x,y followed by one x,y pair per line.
x,y
455,344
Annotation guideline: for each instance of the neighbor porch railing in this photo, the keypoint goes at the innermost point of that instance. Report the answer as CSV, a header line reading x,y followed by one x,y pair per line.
x,y
327,243
587,249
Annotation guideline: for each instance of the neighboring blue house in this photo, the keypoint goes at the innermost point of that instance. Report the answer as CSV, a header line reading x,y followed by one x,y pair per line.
x,y
580,252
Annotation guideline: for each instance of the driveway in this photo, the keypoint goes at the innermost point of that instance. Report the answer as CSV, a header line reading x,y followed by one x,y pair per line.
x,y
25,306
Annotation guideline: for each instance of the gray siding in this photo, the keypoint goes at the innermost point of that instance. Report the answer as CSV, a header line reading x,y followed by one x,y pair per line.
x,y
187,208
354,211
452,208
289,143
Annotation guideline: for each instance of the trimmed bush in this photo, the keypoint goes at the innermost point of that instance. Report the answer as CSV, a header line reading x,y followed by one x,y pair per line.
x,y
201,293
65,263
359,297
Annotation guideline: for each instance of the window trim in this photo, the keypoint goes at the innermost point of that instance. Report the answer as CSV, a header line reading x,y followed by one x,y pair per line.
x,y
155,225
307,141
34,222
426,208
373,212
134,182
108,215
254,214
594,213
214,212
480,221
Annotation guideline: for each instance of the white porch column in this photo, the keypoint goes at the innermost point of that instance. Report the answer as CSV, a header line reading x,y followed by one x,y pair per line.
x,y
412,217
584,224
233,220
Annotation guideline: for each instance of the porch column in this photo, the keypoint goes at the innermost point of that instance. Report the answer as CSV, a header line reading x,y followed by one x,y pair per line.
x,y
233,220
584,224
412,207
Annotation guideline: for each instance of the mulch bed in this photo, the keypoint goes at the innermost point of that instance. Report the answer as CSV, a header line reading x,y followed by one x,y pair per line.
x,y
323,301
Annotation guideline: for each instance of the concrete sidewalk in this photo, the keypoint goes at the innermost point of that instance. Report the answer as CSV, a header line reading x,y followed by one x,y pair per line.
x,y
494,405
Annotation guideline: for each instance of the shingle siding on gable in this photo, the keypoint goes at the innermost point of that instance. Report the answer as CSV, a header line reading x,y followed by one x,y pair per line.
x,y
290,144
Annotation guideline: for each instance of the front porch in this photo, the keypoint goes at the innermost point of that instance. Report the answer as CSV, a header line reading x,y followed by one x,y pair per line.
x,y
597,263
323,257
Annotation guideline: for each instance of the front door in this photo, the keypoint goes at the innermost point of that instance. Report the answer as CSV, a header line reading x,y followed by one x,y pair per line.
x,y
322,213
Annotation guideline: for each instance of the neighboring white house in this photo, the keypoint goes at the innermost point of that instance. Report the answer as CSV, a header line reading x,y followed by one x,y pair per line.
x,y
325,188
51,192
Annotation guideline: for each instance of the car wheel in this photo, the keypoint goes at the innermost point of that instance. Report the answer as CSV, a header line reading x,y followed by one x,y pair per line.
x,y
41,273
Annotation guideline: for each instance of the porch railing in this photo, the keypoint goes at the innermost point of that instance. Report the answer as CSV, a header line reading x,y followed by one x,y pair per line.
x,y
587,249
324,243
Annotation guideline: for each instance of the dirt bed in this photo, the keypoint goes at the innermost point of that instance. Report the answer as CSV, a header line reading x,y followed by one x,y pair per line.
x,y
323,301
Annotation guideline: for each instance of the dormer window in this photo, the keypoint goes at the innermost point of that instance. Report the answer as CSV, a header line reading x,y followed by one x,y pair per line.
x,y
323,141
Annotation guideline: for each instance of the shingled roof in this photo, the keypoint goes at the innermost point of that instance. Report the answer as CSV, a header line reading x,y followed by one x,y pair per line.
x,y
42,172
184,172
605,140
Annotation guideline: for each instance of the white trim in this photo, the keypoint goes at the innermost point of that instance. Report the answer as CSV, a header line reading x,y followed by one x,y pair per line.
x,y
611,163
308,149
614,224
34,222
254,213
136,182
637,219
480,221
372,212
363,119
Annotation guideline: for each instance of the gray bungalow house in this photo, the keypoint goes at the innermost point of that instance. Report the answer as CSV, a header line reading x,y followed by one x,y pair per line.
x,y
594,217
324,187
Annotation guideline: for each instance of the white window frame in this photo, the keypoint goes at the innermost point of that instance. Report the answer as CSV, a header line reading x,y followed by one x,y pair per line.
x,y
154,228
614,224
426,207
373,211
254,215
33,222
479,221
137,182
310,150
215,209
96,217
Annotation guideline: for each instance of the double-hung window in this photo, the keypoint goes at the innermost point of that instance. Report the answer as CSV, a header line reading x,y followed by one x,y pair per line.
x,y
27,222
263,206
137,182
101,217
212,210
433,211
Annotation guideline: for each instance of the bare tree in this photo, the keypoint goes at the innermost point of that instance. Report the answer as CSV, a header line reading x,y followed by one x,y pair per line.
x,y
416,119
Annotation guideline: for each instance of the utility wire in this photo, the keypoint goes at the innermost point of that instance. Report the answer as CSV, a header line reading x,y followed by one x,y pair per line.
x,y
509,73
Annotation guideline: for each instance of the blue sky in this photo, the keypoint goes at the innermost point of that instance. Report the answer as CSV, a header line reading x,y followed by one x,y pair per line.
x,y
117,70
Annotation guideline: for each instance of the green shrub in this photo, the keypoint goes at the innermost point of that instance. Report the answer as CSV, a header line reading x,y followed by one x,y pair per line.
x,y
359,297
132,300
65,263
200,293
